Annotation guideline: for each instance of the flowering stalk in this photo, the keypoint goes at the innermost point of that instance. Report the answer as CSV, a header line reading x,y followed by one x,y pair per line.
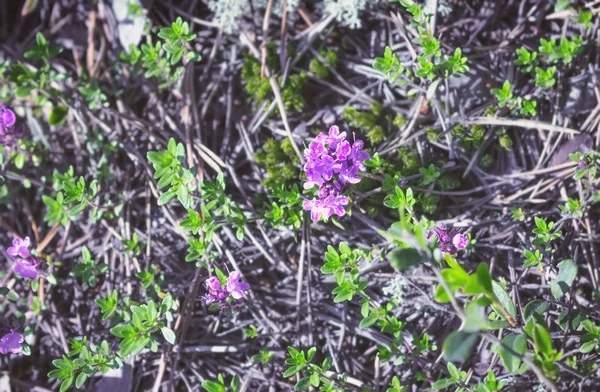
x,y
332,164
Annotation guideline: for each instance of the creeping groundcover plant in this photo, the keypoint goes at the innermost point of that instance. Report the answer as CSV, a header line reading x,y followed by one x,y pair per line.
x,y
335,196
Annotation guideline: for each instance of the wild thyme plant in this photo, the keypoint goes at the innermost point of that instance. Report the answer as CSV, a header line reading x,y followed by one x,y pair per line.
x,y
430,64
181,183
165,59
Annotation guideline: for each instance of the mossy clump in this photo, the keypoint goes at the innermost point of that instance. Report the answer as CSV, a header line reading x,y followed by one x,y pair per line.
x,y
505,142
448,182
474,138
486,161
432,134
323,70
373,123
281,163
259,88
409,160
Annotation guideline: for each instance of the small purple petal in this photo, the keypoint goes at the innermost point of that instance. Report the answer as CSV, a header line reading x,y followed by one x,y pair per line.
x,y
20,248
9,118
11,342
213,283
235,288
26,268
460,241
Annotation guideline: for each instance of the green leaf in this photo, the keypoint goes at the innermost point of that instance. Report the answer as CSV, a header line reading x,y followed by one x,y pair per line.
x,y
457,346
235,384
167,196
55,373
588,347
166,304
474,319
40,39
212,386
504,300
23,91
81,379
291,371
536,309
542,339
404,258
123,331
453,371
168,334
485,280
193,56
442,384
570,319
369,320
58,115
152,312
516,342
315,380
480,282
66,384
303,384
20,161
567,273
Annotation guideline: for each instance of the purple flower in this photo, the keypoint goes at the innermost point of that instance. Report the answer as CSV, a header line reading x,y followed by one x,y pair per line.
x,y
20,248
215,291
325,208
213,283
349,175
219,294
582,164
332,164
449,241
460,241
357,156
235,288
26,265
27,268
343,150
11,342
7,117
318,171
335,136
8,133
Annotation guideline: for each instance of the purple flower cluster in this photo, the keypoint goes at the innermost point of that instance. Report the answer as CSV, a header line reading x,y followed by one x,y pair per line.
x,y
26,265
332,164
449,241
8,132
11,342
219,294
